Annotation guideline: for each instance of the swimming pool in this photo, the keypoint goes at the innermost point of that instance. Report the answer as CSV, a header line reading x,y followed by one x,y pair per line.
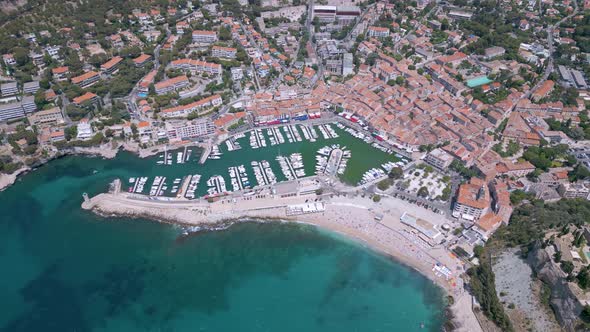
x,y
475,82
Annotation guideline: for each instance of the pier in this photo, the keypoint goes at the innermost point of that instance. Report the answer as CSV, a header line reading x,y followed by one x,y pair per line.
x,y
206,153
334,162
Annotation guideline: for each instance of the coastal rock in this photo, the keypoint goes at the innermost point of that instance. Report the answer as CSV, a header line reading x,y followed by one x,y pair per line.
x,y
567,309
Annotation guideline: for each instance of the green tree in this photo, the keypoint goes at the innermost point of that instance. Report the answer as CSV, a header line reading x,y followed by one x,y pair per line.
x,y
423,192
71,132
567,266
396,173
384,184
224,33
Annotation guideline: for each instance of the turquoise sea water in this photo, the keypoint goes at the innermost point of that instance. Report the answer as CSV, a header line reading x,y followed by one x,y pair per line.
x,y
64,269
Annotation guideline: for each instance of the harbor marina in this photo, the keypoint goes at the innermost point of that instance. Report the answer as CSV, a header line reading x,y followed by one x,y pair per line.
x,y
261,165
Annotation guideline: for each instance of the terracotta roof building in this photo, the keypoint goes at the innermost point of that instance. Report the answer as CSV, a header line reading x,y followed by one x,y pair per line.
x,y
86,79
473,200
111,66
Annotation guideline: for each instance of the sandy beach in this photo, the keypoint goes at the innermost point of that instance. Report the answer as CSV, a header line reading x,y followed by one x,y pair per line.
x,y
352,217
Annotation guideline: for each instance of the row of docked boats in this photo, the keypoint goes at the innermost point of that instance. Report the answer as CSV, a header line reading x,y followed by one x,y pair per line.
x,y
137,185
215,153
158,186
292,133
257,139
357,134
292,166
165,159
388,166
263,173
181,157
372,175
274,136
327,131
239,178
192,186
216,185
232,144
309,133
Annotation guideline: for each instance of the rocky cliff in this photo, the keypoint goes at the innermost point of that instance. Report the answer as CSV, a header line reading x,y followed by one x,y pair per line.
x,y
567,309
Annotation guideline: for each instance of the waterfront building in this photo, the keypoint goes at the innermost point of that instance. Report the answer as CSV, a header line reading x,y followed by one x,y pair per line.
x,y
84,130
57,136
473,200
145,131
228,119
181,130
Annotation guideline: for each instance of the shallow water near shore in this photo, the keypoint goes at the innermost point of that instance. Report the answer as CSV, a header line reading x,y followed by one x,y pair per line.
x,y
65,269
